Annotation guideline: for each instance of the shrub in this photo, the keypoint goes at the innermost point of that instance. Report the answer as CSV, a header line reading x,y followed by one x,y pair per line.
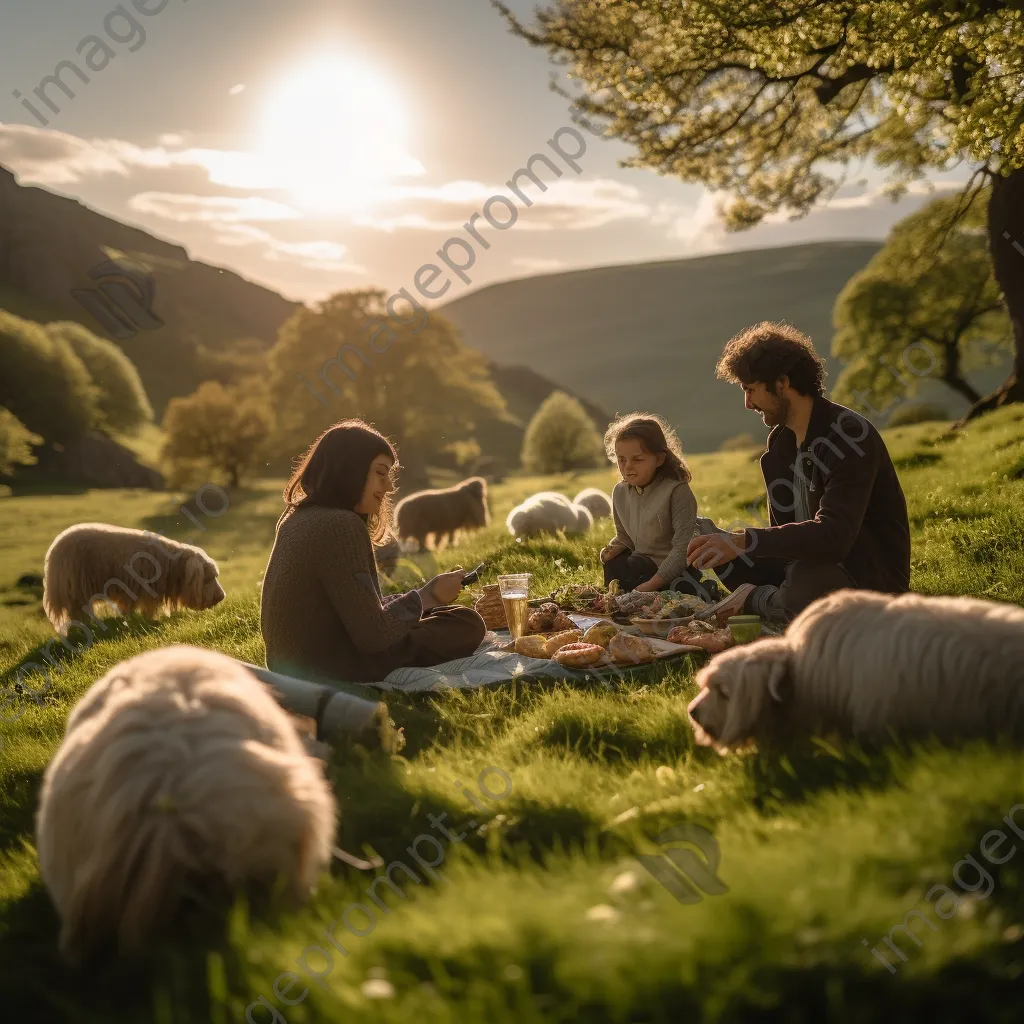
x,y
44,384
121,398
16,442
561,436
916,412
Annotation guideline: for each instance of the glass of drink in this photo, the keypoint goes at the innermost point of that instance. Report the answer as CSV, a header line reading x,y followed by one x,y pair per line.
x,y
515,593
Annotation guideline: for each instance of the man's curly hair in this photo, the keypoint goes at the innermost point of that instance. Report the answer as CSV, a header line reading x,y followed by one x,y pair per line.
x,y
765,352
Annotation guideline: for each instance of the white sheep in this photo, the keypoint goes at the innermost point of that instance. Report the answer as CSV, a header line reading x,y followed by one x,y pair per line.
x,y
548,512
596,501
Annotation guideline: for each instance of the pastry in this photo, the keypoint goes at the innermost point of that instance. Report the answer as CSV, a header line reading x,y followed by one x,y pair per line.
x,y
626,649
532,646
580,655
601,633
562,621
559,640
542,620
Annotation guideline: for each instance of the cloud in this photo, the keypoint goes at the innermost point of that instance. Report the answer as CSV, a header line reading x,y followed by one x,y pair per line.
x,y
316,255
184,208
537,265
566,204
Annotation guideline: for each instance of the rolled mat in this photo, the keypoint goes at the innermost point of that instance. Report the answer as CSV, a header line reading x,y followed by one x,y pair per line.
x,y
351,713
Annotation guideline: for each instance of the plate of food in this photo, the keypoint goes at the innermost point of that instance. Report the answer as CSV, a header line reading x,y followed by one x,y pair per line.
x,y
671,610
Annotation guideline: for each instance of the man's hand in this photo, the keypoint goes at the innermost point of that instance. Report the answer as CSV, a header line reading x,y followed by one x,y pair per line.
x,y
610,550
715,549
443,589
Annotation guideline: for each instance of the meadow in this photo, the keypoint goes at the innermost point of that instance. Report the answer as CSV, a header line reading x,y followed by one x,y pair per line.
x,y
543,913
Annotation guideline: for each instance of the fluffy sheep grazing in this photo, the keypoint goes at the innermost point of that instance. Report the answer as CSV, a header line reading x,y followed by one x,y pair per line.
x,y
548,512
596,502
865,664
443,513
128,570
178,774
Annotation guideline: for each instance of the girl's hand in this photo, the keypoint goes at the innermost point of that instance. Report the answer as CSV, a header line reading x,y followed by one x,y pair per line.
x,y
610,550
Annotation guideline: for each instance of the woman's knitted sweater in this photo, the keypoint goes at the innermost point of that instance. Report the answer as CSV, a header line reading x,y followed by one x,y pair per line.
x,y
321,612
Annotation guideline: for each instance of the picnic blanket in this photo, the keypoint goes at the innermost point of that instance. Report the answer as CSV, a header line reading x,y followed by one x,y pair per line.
x,y
487,666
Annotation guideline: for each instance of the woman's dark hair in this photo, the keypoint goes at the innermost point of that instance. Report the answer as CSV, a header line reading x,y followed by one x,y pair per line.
x,y
765,352
656,436
333,473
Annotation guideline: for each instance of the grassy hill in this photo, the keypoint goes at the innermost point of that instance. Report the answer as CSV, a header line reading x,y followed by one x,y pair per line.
x,y
543,913
648,335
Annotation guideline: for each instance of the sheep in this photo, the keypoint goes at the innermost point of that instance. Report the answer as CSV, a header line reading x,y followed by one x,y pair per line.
x,y
594,499
443,512
178,773
86,561
865,664
548,512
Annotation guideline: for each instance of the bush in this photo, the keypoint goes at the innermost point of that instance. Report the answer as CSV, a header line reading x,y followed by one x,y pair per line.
x,y
121,398
44,384
739,443
16,442
916,412
561,436
214,430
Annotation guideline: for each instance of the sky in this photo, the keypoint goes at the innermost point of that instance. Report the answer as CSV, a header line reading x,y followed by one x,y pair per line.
x,y
315,146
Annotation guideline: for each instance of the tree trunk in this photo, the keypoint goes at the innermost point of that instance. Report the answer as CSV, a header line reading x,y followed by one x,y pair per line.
x,y
1006,245
952,377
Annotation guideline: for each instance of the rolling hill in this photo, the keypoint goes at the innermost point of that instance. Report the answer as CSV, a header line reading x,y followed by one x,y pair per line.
x,y
648,335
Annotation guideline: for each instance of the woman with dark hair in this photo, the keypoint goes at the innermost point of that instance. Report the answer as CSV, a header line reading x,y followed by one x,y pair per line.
x,y
321,613
655,511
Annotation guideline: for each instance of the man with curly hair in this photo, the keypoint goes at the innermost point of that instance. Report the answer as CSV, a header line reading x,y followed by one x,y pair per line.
x,y
837,513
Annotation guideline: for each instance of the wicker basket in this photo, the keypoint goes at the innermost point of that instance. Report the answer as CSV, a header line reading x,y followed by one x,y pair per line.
x,y
491,609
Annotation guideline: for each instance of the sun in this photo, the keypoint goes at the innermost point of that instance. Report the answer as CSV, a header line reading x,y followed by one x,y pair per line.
x,y
333,134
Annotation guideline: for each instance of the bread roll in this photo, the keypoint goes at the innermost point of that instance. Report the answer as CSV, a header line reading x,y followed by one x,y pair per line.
x,y
580,655
533,646
626,649
559,640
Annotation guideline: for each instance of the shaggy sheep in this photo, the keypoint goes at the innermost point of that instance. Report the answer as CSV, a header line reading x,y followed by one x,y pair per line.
x,y
548,512
596,501
865,664
443,512
86,561
178,775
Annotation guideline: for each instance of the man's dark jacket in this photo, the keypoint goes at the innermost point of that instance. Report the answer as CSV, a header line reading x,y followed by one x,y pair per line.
x,y
858,508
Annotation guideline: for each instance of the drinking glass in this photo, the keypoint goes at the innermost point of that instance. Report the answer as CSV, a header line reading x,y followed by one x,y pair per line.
x,y
515,595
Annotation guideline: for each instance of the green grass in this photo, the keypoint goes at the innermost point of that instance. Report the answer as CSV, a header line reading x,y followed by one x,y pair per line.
x,y
544,914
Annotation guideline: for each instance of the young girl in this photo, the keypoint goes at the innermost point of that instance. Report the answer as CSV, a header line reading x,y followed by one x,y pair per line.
x,y
654,509
321,612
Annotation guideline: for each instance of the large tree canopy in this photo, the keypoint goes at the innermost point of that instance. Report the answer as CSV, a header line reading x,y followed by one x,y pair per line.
x,y
418,383
768,101
927,305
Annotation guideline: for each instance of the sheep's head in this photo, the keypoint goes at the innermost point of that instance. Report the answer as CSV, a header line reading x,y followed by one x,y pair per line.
x,y
202,588
740,689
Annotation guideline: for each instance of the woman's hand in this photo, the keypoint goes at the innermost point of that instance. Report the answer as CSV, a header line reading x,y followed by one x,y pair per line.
x,y
655,583
443,589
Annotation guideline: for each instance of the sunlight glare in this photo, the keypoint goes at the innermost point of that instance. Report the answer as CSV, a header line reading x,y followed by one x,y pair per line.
x,y
334,135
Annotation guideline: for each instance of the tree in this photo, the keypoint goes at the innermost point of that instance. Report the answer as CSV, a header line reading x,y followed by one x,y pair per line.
x,y
917,311
561,436
424,390
43,383
215,430
16,442
121,398
766,100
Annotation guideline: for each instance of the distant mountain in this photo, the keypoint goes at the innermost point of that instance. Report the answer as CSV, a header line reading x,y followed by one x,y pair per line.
x,y
648,335
49,243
